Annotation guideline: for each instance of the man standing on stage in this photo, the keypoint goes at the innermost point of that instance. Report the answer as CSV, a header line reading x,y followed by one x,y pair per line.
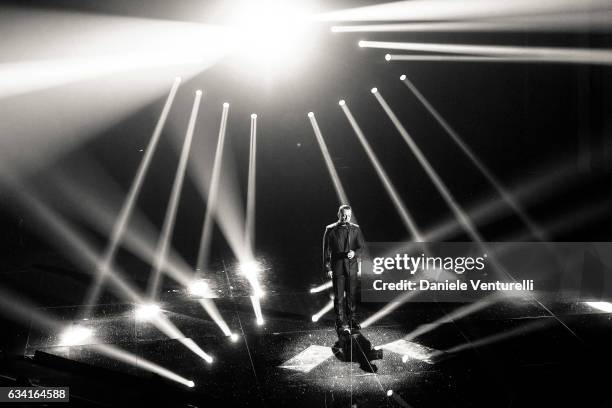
x,y
342,248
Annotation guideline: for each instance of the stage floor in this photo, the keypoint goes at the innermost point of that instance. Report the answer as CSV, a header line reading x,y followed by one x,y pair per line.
x,y
509,354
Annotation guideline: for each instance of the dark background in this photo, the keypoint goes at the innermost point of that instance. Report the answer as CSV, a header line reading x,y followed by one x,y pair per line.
x,y
524,121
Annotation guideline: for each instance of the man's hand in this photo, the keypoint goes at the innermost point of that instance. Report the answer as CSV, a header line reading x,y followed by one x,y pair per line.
x,y
330,274
350,254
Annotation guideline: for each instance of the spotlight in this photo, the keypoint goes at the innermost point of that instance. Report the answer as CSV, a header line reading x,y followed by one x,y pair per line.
x,y
234,337
225,105
272,28
341,103
361,43
199,288
374,90
254,116
208,359
402,77
260,322
389,393
388,57
199,92
147,311
191,384
315,318
603,306
249,268
75,336
310,114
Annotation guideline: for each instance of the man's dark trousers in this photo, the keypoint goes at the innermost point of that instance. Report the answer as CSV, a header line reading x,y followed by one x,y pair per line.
x,y
345,294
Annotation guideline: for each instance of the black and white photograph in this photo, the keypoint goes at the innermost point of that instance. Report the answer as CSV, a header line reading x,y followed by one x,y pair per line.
x,y
306,203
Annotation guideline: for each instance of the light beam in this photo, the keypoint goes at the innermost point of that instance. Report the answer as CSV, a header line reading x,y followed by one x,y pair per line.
x,y
140,362
75,336
342,197
578,22
257,308
527,54
328,306
22,311
322,287
171,210
501,190
433,175
147,311
204,249
128,205
603,306
538,324
215,314
450,10
400,207
250,207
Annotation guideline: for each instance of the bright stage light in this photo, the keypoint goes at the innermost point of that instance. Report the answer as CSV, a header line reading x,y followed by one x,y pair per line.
x,y
260,322
234,337
310,114
361,43
225,105
341,102
603,306
147,311
315,318
74,336
389,393
199,288
199,92
191,384
404,358
249,268
254,116
268,32
374,90
402,77
388,57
